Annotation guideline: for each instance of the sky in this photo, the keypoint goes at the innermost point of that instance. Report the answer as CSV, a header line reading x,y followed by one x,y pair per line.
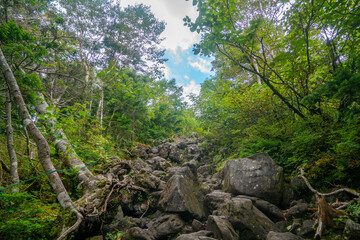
x,y
188,69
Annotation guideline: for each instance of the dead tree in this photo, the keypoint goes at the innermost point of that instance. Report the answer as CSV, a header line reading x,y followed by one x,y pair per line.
x,y
326,213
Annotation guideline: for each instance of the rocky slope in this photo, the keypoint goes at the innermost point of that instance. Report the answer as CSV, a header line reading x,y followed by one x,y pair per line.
x,y
171,192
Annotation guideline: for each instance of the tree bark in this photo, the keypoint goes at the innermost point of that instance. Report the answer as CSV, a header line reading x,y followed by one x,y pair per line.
x,y
100,110
41,143
67,152
10,145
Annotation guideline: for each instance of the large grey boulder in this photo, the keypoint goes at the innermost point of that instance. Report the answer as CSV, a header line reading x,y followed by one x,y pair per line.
x,y
221,227
282,236
257,175
182,194
246,218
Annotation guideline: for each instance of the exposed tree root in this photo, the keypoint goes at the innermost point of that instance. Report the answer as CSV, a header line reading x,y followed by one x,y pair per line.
x,y
80,217
348,190
326,213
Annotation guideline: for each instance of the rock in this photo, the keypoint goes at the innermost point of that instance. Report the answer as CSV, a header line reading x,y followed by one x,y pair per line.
x,y
204,170
166,225
159,163
141,166
282,236
164,150
257,175
122,225
269,209
175,154
201,235
352,230
119,214
296,225
214,199
306,229
197,225
289,195
282,226
178,171
137,233
299,185
297,211
149,181
192,165
141,151
160,174
182,195
244,216
221,227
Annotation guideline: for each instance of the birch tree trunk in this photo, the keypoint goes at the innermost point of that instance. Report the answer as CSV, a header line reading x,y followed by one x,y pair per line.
x,y
10,145
67,152
41,143
100,110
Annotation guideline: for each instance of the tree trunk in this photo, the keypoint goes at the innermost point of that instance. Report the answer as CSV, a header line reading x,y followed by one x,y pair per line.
x,y
67,152
10,145
41,143
258,79
100,110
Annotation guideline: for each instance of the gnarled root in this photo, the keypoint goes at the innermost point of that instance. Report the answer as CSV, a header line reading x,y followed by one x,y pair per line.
x,y
80,217
326,213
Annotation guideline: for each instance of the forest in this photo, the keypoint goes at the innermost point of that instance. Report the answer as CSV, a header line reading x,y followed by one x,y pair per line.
x,y
82,83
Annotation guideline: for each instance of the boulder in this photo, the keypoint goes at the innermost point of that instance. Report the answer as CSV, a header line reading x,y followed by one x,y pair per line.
x,y
221,227
182,195
196,225
214,199
257,175
136,233
352,230
282,236
297,211
269,209
201,235
159,163
141,166
244,216
204,170
306,229
166,225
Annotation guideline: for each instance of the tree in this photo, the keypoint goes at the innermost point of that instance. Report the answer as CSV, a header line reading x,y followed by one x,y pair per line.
x,y
10,144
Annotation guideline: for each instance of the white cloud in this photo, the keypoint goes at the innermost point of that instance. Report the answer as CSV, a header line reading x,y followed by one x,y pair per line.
x,y
192,88
167,71
201,64
186,77
172,12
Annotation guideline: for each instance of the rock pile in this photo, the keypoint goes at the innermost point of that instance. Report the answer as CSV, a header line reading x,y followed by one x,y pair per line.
x,y
170,193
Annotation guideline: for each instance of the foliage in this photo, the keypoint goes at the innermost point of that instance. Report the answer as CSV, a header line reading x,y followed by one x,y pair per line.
x,y
287,83
26,217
